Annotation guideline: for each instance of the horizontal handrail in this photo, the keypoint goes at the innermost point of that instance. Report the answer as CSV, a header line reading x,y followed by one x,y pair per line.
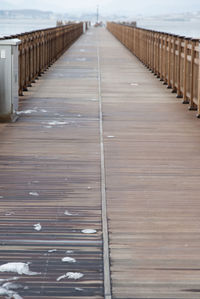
x,y
40,48
172,58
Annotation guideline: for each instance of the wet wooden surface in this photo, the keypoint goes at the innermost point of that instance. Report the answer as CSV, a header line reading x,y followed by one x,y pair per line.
x,y
50,174
153,174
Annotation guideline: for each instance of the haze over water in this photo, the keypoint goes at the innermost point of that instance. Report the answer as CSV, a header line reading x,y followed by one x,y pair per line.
x,y
189,28
16,26
186,28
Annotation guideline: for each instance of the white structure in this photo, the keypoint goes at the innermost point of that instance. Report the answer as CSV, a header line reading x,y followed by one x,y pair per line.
x,y
9,79
84,27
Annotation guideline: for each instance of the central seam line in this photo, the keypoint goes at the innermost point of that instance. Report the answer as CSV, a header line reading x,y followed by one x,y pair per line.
x,y
106,259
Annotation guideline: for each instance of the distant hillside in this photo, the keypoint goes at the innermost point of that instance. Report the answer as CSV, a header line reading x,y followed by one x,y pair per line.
x,y
179,17
65,16
26,13
38,14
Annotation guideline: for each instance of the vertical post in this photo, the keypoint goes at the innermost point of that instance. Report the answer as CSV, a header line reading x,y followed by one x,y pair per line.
x,y
165,59
20,71
151,50
185,69
174,65
161,58
147,41
134,42
169,61
192,105
132,37
158,55
198,106
179,95
154,52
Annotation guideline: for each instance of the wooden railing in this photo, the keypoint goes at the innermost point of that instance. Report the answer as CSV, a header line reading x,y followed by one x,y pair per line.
x,y
39,49
174,59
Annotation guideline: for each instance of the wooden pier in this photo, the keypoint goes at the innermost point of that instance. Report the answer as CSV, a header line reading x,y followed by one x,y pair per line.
x,y
99,131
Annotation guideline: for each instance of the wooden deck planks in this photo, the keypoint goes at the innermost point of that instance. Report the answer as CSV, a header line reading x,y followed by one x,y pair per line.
x,y
153,172
54,153
152,164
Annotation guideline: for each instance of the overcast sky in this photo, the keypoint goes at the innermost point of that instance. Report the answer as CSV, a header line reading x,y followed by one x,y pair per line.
x,y
130,7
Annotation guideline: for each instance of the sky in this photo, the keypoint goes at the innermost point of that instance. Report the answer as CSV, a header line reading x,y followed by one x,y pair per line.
x,y
107,7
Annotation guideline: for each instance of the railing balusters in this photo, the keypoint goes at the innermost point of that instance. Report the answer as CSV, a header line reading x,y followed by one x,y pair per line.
x,y
174,59
39,49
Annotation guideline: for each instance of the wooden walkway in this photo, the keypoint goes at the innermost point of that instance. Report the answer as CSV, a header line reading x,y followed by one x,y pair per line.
x,y
153,174
50,175
51,163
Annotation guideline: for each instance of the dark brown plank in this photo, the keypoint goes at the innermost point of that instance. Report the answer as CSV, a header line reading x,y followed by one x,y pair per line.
x,y
61,165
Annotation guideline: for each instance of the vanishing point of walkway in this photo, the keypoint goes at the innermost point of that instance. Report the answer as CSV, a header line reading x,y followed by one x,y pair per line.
x,y
99,129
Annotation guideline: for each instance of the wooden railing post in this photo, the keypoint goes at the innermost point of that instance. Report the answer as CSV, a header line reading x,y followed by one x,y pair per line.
x,y
185,67
178,69
39,49
169,62
20,71
161,57
198,106
192,105
165,59
174,69
174,59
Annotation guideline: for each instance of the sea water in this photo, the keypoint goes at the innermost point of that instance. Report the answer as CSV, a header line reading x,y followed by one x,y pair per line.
x,y
188,28
17,26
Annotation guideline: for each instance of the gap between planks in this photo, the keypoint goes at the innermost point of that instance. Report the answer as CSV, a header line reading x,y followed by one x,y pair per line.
x,y
106,259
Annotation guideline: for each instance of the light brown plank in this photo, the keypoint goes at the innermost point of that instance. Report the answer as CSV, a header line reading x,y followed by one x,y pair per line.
x,y
153,173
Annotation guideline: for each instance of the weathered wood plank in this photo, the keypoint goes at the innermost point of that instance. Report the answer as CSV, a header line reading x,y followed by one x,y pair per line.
x,y
50,174
153,172
152,164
